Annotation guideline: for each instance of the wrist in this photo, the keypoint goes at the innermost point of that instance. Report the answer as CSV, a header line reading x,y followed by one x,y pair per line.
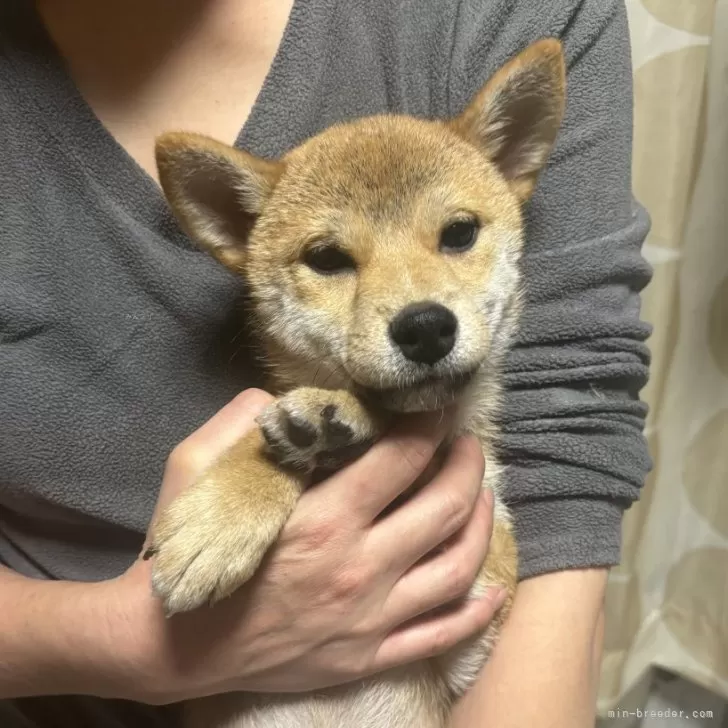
x,y
147,654
63,637
134,640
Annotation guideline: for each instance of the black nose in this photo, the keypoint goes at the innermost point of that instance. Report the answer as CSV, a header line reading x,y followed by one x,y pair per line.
x,y
424,332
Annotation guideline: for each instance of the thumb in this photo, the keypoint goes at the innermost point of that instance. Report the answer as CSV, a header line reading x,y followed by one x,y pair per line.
x,y
198,451
223,429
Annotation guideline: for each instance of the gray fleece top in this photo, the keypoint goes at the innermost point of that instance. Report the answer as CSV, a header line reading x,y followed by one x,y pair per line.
x,y
118,338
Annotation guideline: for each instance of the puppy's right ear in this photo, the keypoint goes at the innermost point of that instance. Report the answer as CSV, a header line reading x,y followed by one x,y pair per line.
x,y
215,191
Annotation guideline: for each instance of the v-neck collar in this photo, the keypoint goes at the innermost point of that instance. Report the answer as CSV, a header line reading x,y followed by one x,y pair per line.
x,y
89,144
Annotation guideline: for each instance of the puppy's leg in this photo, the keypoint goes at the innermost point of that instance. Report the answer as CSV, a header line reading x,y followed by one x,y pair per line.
x,y
318,429
460,666
211,539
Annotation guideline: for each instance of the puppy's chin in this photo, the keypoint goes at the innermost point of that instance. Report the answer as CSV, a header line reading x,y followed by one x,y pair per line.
x,y
427,396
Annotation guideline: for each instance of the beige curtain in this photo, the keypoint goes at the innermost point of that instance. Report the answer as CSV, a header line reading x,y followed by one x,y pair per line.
x,y
667,603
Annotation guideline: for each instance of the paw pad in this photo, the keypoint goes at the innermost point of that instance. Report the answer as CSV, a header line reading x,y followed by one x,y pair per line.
x,y
300,432
308,432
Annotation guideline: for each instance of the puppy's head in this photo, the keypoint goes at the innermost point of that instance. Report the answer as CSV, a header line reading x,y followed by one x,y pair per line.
x,y
381,254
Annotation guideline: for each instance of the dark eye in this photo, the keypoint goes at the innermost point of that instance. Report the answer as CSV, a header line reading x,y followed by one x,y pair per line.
x,y
329,260
459,236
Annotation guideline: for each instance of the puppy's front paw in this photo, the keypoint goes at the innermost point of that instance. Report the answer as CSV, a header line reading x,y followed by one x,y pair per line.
x,y
317,429
212,538
203,553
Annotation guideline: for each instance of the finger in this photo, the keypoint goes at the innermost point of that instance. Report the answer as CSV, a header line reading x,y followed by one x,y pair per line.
x,y
434,635
448,575
366,487
435,513
195,453
230,423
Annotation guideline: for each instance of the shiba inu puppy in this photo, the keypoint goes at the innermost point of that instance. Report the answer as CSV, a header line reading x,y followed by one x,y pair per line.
x,y
382,262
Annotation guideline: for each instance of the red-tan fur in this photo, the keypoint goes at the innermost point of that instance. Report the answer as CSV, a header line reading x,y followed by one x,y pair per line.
x,y
381,189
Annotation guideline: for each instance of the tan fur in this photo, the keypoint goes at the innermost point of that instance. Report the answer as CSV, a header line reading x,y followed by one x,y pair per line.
x,y
193,564
381,190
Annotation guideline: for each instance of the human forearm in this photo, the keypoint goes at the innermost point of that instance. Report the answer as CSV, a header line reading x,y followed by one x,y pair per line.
x,y
545,668
61,637
571,421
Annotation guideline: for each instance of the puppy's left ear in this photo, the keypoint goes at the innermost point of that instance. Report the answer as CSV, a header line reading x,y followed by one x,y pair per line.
x,y
515,117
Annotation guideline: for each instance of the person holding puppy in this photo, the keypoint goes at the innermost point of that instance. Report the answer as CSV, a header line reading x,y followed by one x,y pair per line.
x,y
119,340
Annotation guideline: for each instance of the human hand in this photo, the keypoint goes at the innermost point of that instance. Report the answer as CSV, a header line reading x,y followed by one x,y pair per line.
x,y
343,593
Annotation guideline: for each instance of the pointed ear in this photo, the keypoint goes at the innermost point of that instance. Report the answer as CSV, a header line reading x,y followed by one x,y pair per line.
x,y
516,116
215,191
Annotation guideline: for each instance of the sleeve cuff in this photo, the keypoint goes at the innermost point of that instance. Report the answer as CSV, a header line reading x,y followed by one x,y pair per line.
x,y
567,533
